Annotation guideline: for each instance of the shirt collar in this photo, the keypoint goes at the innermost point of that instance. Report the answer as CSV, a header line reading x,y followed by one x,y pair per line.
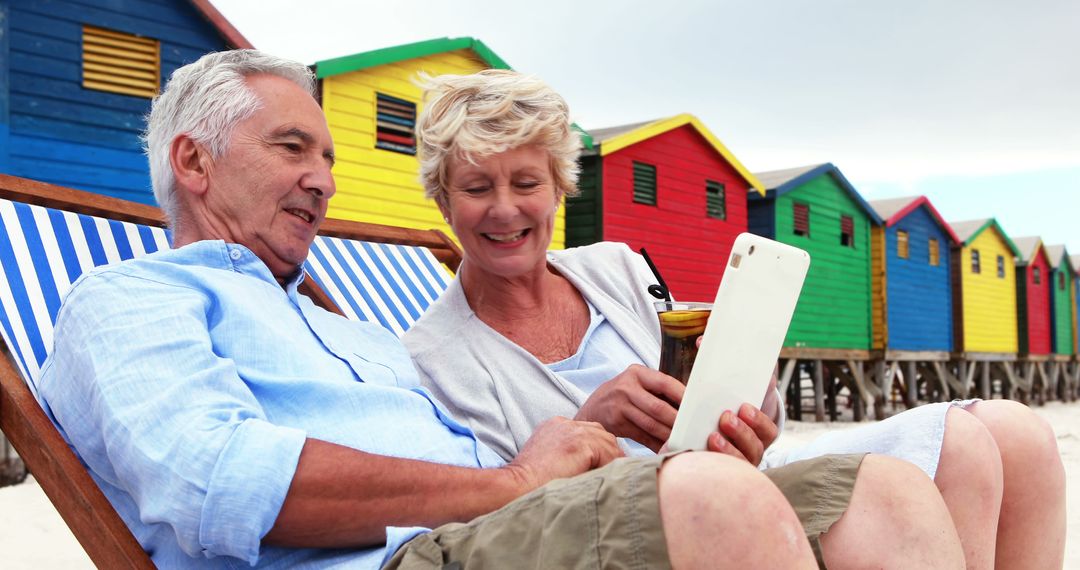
x,y
235,257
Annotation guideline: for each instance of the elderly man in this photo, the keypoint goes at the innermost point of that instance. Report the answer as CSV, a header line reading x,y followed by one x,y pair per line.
x,y
230,421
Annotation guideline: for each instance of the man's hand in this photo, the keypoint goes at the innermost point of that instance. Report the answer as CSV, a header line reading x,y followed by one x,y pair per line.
x,y
638,404
745,436
562,448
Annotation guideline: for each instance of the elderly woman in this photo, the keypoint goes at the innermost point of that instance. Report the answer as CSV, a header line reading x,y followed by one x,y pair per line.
x,y
524,334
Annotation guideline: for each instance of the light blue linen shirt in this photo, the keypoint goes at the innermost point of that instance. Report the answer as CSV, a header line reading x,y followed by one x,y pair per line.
x,y
188,381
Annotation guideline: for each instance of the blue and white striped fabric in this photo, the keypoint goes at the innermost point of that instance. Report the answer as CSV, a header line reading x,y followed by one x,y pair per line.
x,y
389,284
42,252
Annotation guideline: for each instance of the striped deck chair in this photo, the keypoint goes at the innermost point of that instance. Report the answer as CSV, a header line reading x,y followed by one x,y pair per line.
x,y
388,284
50,235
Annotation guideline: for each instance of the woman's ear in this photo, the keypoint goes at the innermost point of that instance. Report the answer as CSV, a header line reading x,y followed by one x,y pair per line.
x,y
190,164
444,209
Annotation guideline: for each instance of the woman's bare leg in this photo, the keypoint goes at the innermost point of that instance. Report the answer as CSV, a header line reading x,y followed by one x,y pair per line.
x,y
896,519
1031,528
969,476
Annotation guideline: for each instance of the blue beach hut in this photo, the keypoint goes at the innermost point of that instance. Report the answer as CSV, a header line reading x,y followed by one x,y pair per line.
x,y
912,281
76,80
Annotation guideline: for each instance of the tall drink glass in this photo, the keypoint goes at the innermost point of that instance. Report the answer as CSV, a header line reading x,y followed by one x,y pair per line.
x,y
681,325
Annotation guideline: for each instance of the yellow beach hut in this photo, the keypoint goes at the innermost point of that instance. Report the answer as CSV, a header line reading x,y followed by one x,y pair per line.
x,y
985,321
985,262
371,102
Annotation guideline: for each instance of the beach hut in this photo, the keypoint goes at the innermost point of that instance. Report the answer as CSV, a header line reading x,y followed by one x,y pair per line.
x,y
1034,312
1076,304
670,186
371,100
986,333
1033,297
1063,311
911,292
76,80
912,288
1062,299
816,209
1073,384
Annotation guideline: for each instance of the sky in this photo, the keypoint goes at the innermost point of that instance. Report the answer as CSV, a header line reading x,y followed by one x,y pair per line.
x,y
973,103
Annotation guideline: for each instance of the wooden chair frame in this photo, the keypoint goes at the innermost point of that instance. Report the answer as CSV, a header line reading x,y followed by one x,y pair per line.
x,y
67,483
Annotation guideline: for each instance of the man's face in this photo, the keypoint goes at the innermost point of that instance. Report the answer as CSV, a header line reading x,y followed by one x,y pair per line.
x,y
270,188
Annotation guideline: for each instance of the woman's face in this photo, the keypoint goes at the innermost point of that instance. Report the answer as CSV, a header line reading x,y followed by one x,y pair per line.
x,y
502,209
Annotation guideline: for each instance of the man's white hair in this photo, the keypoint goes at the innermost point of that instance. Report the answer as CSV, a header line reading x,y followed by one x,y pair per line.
x,y
206,100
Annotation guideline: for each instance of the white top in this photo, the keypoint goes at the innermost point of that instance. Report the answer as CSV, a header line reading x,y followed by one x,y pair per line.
x,y
602,355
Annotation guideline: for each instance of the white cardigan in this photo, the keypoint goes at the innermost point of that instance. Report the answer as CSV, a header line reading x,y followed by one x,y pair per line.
x,y
497,387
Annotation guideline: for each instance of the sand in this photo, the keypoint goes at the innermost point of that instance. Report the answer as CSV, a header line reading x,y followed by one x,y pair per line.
x,y
32,534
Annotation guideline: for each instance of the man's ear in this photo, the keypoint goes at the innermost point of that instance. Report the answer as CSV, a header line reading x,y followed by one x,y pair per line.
x,y
190,164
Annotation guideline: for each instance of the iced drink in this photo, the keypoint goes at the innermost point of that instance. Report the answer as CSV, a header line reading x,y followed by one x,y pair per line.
x,y
681,324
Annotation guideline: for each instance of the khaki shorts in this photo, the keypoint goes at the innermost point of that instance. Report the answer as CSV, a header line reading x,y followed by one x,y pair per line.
x,y
819,490
609,518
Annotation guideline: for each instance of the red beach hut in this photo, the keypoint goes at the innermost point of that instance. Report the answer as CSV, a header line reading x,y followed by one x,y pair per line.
x,y
1033,296
670,186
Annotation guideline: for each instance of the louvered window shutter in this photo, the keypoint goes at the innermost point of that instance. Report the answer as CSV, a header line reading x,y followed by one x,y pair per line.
x,y
902,246
802,219
715,198
120,63
644,183
847,231
395,124
935,253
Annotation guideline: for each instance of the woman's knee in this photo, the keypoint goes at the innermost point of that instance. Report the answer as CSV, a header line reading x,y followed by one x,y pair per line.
x,y
969,455
1026,441
896,507
1018,431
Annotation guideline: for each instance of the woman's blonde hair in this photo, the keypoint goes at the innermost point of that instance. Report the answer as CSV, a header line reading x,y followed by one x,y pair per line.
x,y
489,112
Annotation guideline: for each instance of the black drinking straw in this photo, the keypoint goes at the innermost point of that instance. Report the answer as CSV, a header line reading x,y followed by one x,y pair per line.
x,y
659,291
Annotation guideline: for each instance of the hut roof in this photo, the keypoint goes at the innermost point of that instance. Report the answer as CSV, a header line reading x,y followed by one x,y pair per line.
x,y
363,60
1028,247
893,210
613,139
779,182
1058,254
608,133
968,230
383,56
1075,262
228,32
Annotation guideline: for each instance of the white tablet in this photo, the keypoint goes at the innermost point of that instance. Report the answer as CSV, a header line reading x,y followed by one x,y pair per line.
x,y
742,342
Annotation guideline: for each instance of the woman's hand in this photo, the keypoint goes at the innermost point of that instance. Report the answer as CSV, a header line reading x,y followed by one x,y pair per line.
x,y
771,405
745,436
640,403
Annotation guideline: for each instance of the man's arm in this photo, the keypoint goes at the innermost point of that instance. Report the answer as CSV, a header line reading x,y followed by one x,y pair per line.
x,y
342,497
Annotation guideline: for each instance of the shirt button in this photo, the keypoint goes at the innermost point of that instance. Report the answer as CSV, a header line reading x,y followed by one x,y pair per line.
x,y
235,254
